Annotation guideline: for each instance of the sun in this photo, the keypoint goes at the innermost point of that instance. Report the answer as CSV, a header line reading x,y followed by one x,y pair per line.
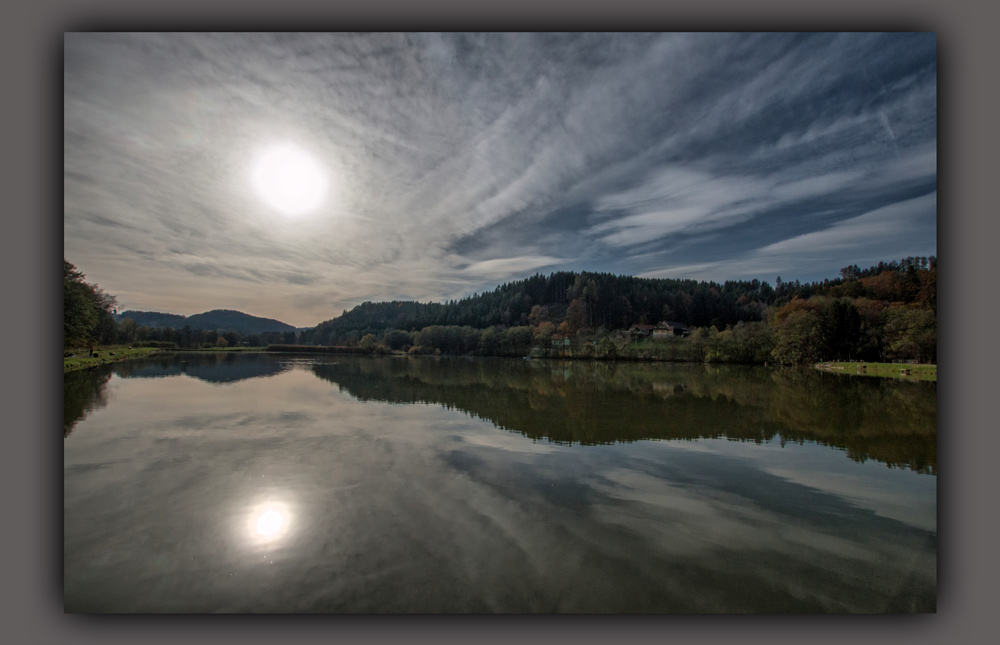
x,y
269,522
289,179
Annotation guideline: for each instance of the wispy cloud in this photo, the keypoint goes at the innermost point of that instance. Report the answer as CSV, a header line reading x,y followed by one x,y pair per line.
x,y
913,217
907,227
677,200
506,267
456,159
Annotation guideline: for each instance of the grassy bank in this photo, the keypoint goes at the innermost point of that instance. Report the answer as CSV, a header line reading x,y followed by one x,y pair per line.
x,y
112,354
220,349
905,371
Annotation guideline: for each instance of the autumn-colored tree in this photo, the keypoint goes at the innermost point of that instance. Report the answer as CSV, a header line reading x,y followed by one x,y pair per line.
x,y
887,286
544,332
539,315
576,315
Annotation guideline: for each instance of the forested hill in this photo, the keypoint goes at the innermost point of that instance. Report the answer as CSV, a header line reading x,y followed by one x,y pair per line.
x,y
584,300
222,320
153,319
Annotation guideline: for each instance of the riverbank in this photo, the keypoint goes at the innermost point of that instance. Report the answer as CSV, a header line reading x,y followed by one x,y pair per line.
x,y
113,354
904,371
228,350
119,353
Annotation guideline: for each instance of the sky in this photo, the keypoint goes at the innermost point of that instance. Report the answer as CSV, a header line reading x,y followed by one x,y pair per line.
x,y
447,164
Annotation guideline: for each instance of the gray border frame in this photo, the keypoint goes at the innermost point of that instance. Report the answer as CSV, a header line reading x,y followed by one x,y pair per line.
x,y
31,533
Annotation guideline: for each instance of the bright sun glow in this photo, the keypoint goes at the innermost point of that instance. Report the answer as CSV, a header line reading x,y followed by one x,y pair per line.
x,y
289,179
269,522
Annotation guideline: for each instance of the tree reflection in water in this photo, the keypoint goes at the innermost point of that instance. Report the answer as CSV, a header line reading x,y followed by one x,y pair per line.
x,y
83,392
86,390
593,403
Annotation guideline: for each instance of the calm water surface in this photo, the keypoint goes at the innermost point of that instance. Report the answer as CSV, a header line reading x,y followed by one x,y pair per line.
x,y
265,483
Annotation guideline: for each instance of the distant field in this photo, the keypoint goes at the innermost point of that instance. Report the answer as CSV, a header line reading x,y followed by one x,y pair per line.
x,y
906,371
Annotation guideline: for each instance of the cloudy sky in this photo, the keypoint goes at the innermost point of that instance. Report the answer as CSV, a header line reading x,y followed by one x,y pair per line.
x,y
448,164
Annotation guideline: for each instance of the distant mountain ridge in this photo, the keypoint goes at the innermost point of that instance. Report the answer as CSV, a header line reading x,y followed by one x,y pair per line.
x,y
222,320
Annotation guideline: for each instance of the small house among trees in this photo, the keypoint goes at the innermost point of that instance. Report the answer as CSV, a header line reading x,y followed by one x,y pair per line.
x,y
670,329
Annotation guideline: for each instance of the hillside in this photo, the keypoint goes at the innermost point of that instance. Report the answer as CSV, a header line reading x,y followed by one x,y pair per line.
x,y
221,320
880,311
583,300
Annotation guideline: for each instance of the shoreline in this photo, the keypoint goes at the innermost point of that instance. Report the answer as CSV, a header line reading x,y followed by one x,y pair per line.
x,y
113,354
901,371
116,354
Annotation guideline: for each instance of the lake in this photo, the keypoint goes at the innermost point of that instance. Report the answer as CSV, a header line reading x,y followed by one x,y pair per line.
x,y
269,483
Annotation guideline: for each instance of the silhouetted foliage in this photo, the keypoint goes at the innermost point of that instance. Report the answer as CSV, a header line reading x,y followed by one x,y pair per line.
x,y
87,311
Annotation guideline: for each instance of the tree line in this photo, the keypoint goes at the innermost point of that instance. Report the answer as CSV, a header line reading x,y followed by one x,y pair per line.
x,y
882,313
583,300
885,312
187,338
